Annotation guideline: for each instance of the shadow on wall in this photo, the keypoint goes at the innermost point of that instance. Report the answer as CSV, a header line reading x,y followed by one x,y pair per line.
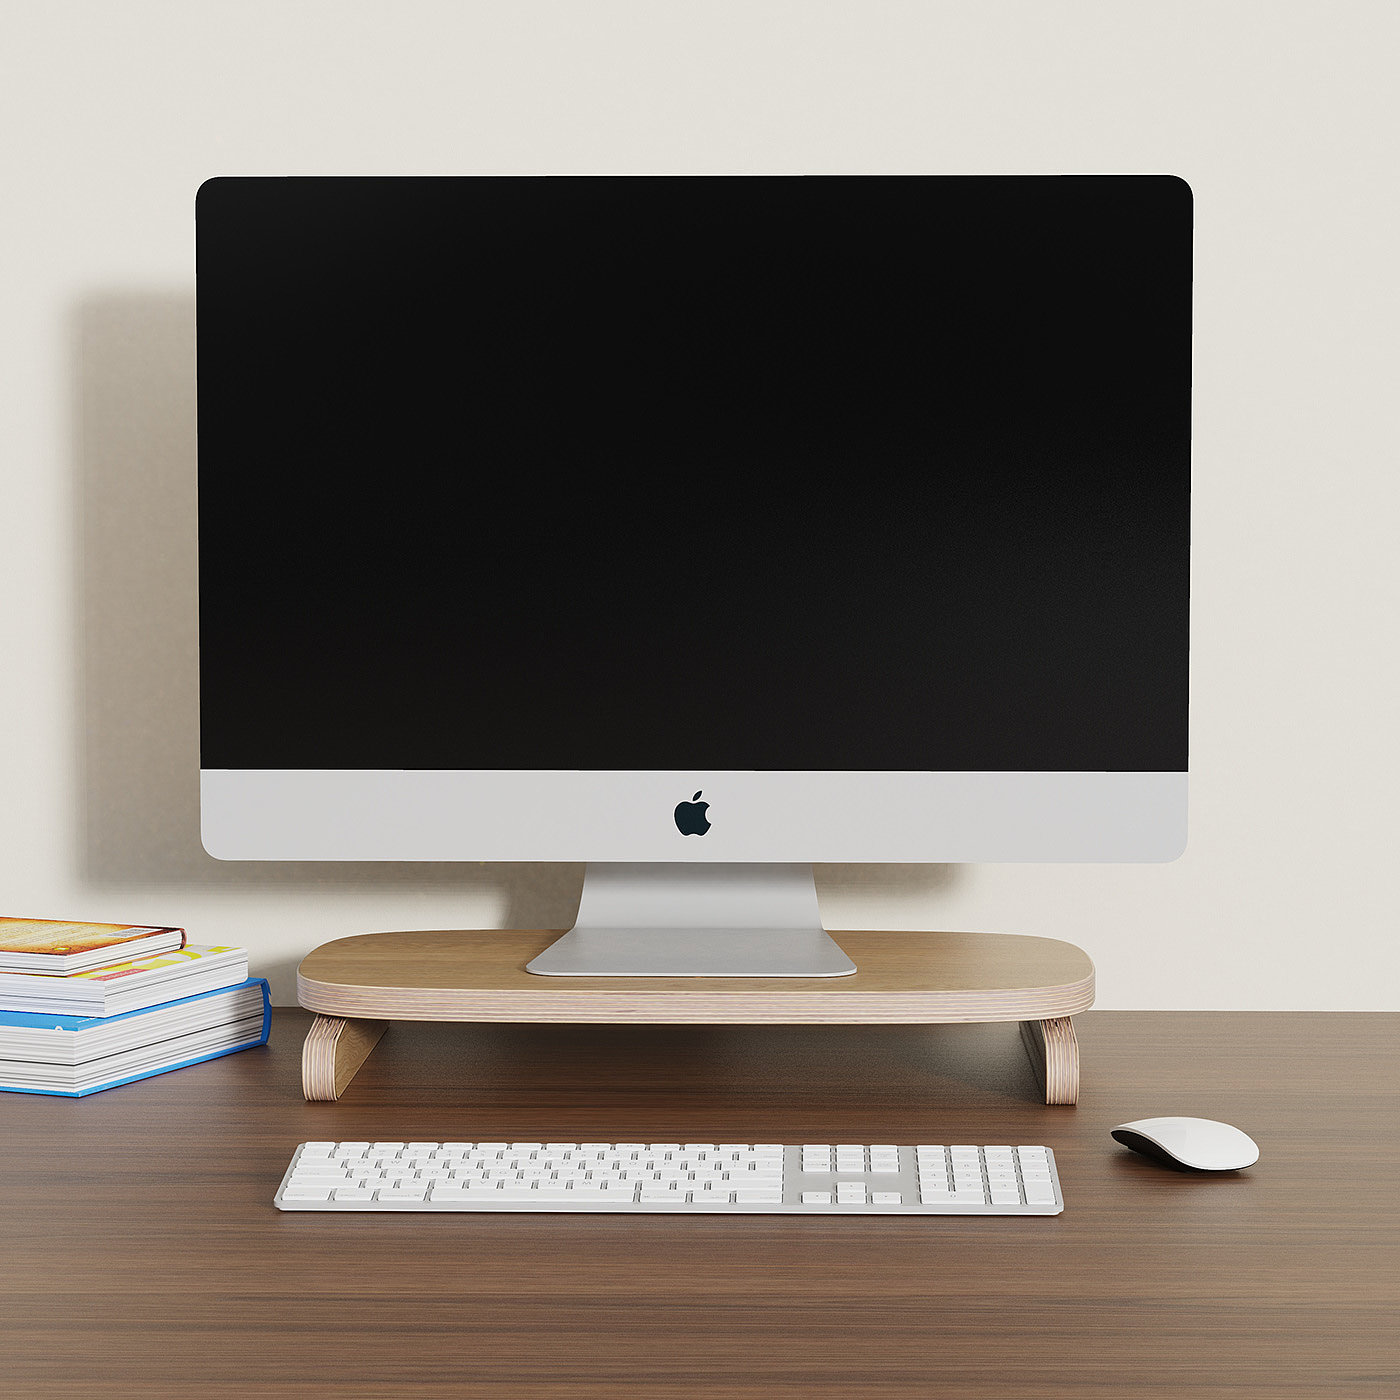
x,y
863,889
138,817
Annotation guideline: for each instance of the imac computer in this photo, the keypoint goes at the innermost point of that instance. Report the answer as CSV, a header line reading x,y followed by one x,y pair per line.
x,y
696,528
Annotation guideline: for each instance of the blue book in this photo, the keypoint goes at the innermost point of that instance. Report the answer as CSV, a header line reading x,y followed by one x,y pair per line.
x,y
76,1055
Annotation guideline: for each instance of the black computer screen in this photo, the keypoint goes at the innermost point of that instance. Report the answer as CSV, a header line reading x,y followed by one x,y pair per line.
x,y
700,473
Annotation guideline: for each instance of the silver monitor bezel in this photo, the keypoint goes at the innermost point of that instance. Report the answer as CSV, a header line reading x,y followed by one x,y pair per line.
x,y
557,815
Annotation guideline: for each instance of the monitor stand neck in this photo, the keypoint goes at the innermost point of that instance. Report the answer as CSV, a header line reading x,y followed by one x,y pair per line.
x,y
696,921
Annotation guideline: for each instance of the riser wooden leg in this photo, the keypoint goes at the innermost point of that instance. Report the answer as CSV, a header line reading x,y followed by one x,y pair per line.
x,y
1054,1050
335,1049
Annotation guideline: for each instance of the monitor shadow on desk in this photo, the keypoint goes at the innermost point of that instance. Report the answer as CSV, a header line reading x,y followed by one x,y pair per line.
x,y
136,666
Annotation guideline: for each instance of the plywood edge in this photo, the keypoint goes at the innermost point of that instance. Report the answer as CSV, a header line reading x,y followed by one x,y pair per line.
x,y
575,1002
1054,1050
334,1050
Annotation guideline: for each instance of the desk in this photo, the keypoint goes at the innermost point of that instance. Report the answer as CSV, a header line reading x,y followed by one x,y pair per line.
x,y
123,1275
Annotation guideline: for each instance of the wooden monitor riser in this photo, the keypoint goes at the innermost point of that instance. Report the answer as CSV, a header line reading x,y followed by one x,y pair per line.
x,y
357,985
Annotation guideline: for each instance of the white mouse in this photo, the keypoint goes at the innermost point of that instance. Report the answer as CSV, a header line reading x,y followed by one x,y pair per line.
x,y
1201,1143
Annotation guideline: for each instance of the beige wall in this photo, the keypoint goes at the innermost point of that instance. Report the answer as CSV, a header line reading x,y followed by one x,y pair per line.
x,y
1281,115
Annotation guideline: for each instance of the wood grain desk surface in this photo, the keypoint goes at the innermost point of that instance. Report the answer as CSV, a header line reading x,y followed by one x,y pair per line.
x,y
140,1254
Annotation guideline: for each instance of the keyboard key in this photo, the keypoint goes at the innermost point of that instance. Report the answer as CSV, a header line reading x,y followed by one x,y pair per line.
x,y
886,1198
816,1198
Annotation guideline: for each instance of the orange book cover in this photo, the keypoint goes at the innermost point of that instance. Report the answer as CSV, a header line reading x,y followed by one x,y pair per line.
x,y
57,939
58,947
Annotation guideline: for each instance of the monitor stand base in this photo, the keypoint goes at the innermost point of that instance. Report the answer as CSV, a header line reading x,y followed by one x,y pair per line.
x,y
698,952
696,921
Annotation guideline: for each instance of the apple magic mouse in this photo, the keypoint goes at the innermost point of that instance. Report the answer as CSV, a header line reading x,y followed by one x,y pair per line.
x,y
1200,1143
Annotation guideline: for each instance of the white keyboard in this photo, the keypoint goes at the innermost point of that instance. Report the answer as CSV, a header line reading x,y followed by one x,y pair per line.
x,y
737,1178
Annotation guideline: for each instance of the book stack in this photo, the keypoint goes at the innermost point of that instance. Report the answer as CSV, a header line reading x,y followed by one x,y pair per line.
x,y
85,1007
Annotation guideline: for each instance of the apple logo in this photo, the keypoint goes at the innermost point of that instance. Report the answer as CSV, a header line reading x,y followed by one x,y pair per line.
x,y
690,817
